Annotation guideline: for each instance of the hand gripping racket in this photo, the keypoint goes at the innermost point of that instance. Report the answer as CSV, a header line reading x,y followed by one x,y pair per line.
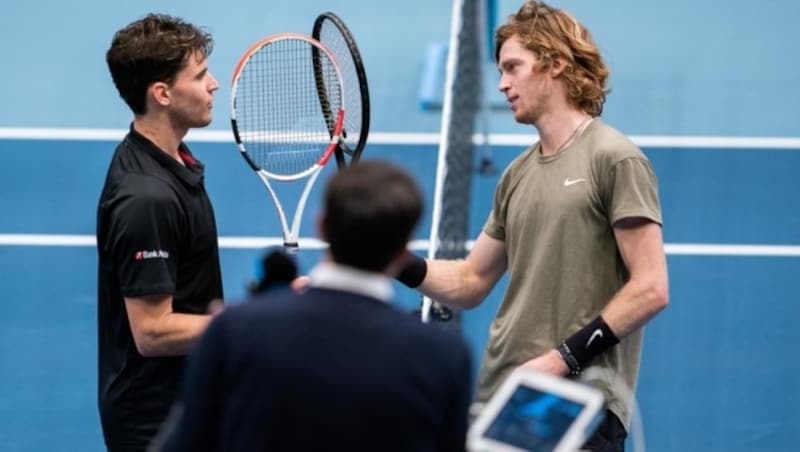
x,y
331,31
285,128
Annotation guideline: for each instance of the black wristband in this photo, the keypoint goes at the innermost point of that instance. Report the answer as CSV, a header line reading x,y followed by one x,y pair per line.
x,y
569,358
414,272
590,341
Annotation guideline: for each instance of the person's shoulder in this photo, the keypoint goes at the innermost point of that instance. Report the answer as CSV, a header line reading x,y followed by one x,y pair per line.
x,y
131,165
130,176
520,161
610,146
146,185
516,169
609,140
134,196
144,193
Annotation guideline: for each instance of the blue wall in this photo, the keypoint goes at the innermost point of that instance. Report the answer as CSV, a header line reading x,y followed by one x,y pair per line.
x,y
717,372
678,68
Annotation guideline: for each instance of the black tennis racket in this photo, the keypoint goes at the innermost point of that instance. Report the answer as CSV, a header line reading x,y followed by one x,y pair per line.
x,y
284,127
331,31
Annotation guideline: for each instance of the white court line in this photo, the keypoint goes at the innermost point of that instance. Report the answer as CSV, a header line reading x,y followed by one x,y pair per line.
x,y
498,139
47,240
691,249
705,249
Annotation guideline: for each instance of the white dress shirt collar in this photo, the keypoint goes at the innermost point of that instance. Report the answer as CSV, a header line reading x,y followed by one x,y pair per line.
x,y
330,275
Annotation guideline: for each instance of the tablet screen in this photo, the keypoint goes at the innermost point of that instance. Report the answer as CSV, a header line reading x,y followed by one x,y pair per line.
x,y
531,419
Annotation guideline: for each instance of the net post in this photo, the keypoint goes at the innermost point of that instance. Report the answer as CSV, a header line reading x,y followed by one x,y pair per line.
x,y
461,103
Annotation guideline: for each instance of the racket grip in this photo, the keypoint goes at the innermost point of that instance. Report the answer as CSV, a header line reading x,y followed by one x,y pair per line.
x,y
425,310
291,248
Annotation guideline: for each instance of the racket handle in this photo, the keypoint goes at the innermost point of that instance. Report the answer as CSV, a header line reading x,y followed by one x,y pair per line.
x,y
290,248
432,311
425,311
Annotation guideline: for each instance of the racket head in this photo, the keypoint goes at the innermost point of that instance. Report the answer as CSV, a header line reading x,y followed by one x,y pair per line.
x,y
281,125
332,32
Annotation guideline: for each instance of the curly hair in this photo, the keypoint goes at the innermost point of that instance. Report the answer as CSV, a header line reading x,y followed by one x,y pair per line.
x,y
551,34
152,49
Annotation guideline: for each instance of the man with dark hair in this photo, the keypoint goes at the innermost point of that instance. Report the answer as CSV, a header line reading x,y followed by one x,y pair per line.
x,y
156,233
335,367
576,221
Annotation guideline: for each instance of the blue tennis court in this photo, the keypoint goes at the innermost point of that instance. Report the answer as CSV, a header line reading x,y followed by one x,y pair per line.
x,y
717,124
694,377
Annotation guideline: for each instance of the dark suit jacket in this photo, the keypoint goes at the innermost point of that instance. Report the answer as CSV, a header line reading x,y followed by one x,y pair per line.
x,y
324,370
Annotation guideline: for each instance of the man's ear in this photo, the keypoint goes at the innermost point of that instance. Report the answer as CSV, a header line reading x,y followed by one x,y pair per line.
x,y
558,67
159,93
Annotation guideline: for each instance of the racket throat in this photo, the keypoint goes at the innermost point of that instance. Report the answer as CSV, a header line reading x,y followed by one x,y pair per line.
x,y
291,247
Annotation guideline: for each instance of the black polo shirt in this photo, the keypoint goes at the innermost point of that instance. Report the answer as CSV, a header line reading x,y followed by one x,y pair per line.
x,y
156,234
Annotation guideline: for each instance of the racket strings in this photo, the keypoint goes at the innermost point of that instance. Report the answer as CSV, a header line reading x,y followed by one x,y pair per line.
x,y
282,124
322,93
333,39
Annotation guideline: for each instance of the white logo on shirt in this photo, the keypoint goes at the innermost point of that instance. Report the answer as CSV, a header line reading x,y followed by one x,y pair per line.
x,y
568,181
153,254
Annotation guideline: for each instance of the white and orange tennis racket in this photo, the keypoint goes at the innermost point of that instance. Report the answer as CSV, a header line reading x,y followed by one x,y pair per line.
x,y
284,127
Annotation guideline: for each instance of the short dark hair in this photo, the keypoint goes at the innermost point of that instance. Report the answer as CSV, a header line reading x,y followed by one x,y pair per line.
x,y
152,49
371,210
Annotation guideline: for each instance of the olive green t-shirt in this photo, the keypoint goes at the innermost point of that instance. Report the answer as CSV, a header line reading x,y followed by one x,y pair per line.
x,y
556,216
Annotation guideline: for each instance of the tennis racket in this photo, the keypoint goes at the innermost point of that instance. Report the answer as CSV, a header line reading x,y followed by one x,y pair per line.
x,y
331,31
284,127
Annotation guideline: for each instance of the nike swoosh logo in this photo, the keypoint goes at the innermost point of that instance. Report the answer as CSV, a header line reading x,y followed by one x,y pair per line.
x,y
568,181
597,333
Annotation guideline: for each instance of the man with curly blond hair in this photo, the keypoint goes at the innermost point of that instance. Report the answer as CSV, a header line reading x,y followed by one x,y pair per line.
x,y
576,221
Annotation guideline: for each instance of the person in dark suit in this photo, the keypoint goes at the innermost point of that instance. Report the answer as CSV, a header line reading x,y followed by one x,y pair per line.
x,y
337,366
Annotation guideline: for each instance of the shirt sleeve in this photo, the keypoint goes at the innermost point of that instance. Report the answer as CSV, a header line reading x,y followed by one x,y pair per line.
x,y
495,226
632,191
144,230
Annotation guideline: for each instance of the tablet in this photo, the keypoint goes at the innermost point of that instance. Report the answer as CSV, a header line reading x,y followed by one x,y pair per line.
x,y
537,412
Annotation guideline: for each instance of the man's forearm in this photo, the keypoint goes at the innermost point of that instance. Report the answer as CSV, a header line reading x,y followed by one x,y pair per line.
x,y
172,335
634,305
451,282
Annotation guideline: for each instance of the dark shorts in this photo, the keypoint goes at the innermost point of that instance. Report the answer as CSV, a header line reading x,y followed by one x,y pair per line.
x,y
126,438
609,436
127,446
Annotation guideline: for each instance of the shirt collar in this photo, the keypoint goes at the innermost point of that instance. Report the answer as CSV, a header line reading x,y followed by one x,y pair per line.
x,y
191,174
330,275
